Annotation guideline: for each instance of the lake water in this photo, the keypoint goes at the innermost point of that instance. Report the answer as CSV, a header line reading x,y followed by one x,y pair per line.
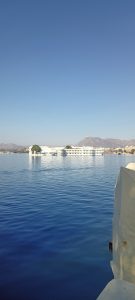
x,y
55,225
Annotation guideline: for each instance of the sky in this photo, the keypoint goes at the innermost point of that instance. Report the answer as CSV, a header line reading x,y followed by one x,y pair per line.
x,y
67,70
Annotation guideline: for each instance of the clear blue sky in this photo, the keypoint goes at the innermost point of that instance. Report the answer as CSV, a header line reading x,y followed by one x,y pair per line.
x,y
67,70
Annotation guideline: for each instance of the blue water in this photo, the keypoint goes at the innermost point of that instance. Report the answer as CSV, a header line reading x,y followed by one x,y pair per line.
x,y
55,224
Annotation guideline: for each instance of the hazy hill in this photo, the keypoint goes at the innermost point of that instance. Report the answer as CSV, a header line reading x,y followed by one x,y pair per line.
x,y
107,143
12,147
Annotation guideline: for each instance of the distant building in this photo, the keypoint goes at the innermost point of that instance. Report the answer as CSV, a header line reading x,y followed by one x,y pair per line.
x,y
46,150
73,151
84,151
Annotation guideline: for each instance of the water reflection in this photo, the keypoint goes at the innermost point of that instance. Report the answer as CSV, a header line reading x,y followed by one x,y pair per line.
x,y
34,162
48,161
105,162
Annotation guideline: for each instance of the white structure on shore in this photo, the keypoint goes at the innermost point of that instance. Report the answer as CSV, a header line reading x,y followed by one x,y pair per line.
x,y
85,150
69,151
45,150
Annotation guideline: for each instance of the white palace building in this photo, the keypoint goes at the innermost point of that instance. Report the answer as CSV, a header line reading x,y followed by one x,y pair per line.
x,y
72,151
85,150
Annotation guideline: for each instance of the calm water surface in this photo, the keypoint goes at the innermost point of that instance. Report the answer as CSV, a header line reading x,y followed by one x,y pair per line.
x,y
55,224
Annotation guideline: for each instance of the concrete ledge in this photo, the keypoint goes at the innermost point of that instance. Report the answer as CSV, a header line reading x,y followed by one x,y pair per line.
x,y
118,289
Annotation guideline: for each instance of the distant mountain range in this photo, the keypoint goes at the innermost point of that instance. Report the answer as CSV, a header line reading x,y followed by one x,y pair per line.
x,y
12,147
88,141
107,143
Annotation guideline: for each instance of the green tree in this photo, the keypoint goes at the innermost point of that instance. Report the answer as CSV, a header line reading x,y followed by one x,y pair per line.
x,y
132,151
68,147
36,148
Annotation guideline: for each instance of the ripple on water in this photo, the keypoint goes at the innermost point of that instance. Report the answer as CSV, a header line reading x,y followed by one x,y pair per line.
x,y
55,221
